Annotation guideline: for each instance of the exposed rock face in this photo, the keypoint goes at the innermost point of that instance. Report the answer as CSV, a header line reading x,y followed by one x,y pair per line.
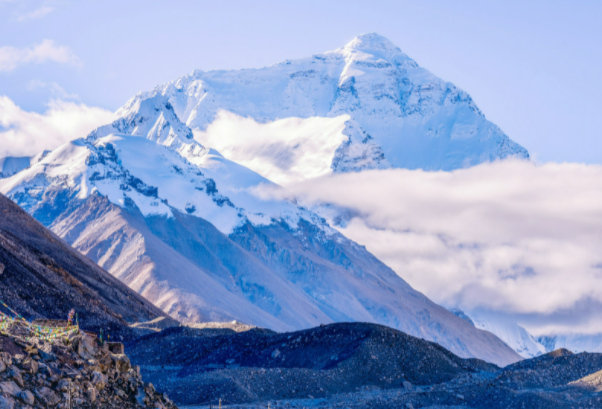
x,y
76,371
354,366
44,278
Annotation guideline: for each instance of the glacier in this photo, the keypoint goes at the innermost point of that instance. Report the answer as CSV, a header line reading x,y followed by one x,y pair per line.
x,y
377,108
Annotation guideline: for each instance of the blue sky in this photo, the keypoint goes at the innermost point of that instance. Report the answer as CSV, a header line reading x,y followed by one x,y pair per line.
x,y
534,69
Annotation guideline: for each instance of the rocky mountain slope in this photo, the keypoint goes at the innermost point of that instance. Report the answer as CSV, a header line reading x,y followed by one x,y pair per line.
x,y
179,224
43,277
366,105
354,366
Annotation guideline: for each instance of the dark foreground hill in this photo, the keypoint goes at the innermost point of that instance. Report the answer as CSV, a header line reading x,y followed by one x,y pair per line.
x,y
353,365
43,277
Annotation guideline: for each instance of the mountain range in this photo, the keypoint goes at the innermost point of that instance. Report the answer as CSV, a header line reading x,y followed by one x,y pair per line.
x,y
182,224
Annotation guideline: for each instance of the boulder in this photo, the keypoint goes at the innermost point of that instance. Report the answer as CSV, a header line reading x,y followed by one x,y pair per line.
x,y
45,369
90,392
16,375
47,397
9,388
84,346
122,362
6,358
30,365
26,397
63,385
99,380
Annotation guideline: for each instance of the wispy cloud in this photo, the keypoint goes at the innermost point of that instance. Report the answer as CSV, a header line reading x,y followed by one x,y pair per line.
x,y
47,50
511,236
56,90
24,133
37,13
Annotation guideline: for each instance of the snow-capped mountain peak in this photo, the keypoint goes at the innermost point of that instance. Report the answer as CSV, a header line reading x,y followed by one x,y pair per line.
x,y
414,119
151,116
372,42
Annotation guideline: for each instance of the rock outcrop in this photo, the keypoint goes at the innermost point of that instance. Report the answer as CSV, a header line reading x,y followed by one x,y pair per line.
x,y
75,371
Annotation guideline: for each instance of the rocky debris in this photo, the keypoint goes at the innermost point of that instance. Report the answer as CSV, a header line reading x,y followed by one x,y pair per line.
x,y
199,365
75,371
354,366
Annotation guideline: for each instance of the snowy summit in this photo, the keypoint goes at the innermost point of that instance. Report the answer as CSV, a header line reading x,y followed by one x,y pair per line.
x,y
367,105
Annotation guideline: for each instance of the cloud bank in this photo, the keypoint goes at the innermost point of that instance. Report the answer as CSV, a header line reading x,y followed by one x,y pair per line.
x,y
512,237
25,133
47,50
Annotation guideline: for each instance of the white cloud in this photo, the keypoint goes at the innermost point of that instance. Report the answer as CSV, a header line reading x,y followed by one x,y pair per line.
x,y
284,151
47,50
56,90
25,133
511,236
37,13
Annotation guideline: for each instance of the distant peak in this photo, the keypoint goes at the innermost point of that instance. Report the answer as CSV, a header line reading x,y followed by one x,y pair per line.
x,y
372,41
